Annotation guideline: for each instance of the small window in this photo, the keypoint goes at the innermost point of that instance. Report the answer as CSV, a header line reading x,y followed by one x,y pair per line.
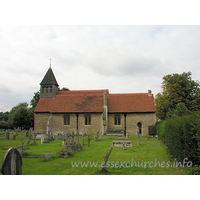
x,y
87,119
47,89
66,119
50,89
117,119
139,128
42,89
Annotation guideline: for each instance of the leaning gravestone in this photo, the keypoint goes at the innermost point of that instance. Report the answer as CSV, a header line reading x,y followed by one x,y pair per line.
x,y
105,160
42,140
11,163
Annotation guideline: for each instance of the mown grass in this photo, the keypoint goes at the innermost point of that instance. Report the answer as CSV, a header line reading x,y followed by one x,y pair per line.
x,y
149,150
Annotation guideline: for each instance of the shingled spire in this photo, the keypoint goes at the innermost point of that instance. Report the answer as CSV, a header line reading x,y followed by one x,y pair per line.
x,y
49,85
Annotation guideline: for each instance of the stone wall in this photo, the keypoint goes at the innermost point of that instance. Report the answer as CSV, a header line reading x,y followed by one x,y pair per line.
x,y
146,119
40,122
57,123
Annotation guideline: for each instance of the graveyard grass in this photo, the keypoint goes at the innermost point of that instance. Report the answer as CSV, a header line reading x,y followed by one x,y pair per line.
x,y
149,150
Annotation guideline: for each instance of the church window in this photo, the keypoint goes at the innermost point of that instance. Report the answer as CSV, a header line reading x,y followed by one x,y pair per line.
x,y
117,120
139,127
88,119
47,89
42,89
50,89
66,119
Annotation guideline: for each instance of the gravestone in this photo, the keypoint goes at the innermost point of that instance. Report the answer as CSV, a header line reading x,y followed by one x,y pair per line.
x,y
126,135
64,151
11,163
42,140
106,159
97,137
138,135
83,141
48,156
28,142
100,135
7,134
14,136
34,137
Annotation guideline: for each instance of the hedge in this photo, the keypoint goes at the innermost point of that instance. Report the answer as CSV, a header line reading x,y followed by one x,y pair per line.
x,y
182,137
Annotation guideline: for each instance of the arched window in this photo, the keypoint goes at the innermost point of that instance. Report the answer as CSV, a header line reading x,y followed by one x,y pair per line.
x,y
139,127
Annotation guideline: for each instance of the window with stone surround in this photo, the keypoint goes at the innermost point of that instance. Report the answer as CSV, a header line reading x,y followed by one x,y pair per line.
x,y
87,119
66,119
117,119
139,127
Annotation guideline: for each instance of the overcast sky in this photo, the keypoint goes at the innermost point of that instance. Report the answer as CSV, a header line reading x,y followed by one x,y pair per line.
x,y
123,59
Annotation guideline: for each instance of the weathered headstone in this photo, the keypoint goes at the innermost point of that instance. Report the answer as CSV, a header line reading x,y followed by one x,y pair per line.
x,y
138,135
11,163
100,135
34,137
48,156
42,140
83,141
28,142
7,134
14,136
27,133
106,159
126,135
97,137
64,151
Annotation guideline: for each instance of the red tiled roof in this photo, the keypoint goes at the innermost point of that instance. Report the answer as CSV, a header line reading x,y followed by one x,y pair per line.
x,y
82,101
73,102
126,103
44,105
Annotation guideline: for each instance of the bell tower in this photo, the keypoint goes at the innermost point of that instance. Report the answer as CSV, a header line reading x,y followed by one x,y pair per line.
x,y
49,85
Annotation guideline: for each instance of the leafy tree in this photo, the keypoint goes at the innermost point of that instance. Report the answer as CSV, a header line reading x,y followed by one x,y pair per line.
x,y
63,89
180,110
20,116
35,99
177,88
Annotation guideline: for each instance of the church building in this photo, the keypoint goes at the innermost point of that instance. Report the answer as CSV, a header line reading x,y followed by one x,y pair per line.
x,y
92,110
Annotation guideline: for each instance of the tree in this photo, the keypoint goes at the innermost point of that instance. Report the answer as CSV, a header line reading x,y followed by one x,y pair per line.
x,y
180,110
35,99
177,88
21,116
63,89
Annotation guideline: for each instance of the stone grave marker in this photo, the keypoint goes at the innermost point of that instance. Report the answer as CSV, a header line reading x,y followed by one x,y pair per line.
x,y
11,163
64,151
14,136
48,156
106,160
100,135
138,136
42,140
97,137
34,137
28,142
7,134
83,141
126,135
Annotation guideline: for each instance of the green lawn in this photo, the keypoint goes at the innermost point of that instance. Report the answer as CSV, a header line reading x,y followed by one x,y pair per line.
x,y
151,150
